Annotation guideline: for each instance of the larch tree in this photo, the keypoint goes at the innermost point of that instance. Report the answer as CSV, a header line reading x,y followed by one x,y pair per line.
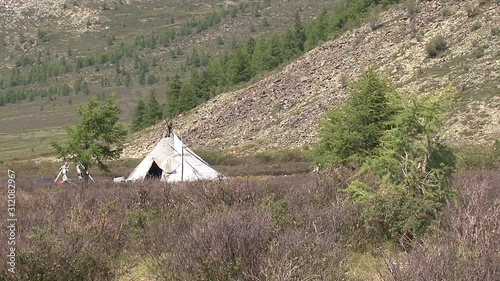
x,y
97,138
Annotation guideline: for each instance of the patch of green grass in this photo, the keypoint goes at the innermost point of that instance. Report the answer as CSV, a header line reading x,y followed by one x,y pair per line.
x,y
139,272
29,145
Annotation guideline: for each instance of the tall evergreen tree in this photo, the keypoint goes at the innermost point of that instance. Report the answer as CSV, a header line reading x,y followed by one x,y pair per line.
x,y
290,46
259,56
274,52
173,93
128,80
85,88
239,67
299,32
318,30
138,116
187,97
250,46
153,110
352,132
77,87
97,138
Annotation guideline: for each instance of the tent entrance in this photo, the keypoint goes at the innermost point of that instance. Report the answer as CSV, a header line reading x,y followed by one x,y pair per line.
x,y
154,172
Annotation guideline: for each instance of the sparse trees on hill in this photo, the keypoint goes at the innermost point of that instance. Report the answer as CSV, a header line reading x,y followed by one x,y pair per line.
x,y
239,65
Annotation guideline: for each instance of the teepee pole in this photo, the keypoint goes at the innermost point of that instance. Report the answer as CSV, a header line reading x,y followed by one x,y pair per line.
x,y
182,163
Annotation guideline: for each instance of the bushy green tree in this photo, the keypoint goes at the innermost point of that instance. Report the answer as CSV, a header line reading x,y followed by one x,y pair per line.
x,y
299,31
97,138
413,169
352,132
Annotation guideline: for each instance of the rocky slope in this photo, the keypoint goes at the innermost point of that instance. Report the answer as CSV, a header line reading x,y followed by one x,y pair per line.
x,y
27,15
285,109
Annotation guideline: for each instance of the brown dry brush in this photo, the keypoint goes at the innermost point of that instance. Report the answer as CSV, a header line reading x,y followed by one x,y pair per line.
x,y
71,233
468,242
276,228
285,228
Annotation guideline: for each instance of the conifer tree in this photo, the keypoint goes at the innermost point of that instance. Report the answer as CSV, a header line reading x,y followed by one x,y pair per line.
x,y
299,32
413,169
85,88
352,132
77,86
259,56
187,97
173,93
138,116
274,52
239,67
153,110
97,138
128,80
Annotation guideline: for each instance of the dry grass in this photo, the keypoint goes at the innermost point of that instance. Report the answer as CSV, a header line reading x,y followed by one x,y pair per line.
x,y
275,228
466,245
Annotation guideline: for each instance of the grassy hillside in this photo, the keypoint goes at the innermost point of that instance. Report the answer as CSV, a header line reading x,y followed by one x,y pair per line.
x,y
106,46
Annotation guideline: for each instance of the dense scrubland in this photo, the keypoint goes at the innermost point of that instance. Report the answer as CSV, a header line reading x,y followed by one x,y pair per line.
x,y
299,227
246,227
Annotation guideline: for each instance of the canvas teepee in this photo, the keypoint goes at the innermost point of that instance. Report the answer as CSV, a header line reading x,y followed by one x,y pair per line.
x,y
172,161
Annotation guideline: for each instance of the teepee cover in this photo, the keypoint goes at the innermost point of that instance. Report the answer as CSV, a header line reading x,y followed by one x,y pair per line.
x,y
172,161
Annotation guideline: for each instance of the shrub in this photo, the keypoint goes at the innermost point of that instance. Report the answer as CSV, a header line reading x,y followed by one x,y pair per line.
x,y
411,7
495,31
79,256
286,155
471,10
219,41
465,249
447,12
478,52
477,25
436,46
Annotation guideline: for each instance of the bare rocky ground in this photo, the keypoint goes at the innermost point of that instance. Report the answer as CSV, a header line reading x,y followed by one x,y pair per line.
x,y
284,110
29,14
